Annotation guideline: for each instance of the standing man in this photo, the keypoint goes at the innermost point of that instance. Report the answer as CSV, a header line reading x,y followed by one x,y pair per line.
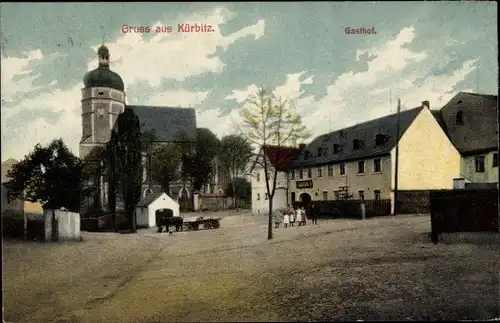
x,y
313,214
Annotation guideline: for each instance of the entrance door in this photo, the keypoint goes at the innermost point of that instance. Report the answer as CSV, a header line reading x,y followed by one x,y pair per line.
x,y
305,198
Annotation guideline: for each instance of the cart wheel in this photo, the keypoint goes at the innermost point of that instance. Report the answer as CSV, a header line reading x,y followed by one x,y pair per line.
x,y
196,226
216,224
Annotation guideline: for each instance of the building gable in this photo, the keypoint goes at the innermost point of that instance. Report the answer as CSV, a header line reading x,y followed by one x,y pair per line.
x,y
470,121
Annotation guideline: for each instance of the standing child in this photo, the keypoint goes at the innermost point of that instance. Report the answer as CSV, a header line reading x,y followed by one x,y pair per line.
x,y
299,216
292,216
286,220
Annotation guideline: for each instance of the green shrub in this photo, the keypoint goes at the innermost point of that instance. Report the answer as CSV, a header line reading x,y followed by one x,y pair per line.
x,y
13,226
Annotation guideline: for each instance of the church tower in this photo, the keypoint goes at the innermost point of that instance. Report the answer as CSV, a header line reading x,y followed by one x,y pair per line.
x,y
103,99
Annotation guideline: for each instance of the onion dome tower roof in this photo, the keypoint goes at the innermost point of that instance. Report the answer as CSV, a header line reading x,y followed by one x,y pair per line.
x,y
102,76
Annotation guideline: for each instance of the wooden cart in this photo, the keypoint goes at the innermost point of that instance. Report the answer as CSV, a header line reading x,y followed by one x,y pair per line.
x,y
194,223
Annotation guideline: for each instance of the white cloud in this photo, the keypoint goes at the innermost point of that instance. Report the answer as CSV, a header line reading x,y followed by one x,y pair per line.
x,y
352,96
175,55
241,95
221,126
17,66
358,97
26,133
290,90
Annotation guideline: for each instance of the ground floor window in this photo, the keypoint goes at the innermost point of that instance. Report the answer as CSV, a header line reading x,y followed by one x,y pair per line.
x,y
361,195
325,196
376,195
293,197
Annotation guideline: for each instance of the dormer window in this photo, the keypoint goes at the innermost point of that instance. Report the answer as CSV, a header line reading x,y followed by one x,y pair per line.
x,y
380,139
357,144
459,118
336,148
322,152
307,154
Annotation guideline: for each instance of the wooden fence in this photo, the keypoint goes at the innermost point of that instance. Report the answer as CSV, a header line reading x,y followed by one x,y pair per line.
x,y
464,211
349,208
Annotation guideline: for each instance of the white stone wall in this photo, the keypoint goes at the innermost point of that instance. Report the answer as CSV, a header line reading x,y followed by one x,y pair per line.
x,y
68,225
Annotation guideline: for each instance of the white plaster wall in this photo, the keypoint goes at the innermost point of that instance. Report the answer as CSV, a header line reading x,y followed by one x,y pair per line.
x,y
147,216
68,225
261,206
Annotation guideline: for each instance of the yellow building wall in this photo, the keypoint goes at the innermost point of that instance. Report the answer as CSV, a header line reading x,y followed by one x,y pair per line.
x,y
468,169
427,158
368,182
33,208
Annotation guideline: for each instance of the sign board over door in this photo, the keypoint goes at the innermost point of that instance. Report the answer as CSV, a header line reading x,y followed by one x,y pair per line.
x,y
304,184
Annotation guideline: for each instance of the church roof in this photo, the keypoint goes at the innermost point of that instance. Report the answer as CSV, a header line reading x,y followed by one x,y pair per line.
x,y
168,124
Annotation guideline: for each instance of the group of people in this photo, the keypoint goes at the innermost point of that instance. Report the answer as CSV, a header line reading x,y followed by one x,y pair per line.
x,y
292,216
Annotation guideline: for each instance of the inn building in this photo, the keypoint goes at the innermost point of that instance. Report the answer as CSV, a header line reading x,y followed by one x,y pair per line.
x,y
359,162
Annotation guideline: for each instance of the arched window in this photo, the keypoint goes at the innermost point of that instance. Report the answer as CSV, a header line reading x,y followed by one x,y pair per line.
x,y
459,118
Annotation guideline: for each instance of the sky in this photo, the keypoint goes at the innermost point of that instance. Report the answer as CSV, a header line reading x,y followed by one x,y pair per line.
x,y
300,51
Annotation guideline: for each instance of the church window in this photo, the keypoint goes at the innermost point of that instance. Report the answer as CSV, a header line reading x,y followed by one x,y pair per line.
x,y
100,113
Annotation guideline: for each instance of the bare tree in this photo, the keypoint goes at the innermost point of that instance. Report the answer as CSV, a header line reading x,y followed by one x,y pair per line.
x,y
271,121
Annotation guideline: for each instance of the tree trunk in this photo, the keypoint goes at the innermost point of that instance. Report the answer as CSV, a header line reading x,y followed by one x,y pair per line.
x,y
234,196
270,220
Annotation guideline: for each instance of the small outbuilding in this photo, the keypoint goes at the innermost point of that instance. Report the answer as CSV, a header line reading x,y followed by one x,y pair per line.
x,y
150,205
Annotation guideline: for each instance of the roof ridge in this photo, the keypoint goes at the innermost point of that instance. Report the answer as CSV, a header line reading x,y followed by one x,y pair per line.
x,y
371,120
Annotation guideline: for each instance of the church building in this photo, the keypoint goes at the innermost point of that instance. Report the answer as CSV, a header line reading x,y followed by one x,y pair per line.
x,y
103,100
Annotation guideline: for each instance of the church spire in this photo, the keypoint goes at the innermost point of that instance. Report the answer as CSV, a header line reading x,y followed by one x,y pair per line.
x,y
103,53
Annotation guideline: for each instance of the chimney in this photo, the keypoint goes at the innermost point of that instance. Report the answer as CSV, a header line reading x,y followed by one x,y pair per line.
x,y
302,146
425,104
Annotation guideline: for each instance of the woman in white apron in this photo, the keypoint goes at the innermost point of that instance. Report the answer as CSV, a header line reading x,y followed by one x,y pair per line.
x,y
298,219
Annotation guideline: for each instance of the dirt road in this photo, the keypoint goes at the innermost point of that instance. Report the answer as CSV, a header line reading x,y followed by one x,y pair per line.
x,y
340,270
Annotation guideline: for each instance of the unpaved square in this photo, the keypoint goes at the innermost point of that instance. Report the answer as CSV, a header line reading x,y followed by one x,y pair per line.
x,y
382,268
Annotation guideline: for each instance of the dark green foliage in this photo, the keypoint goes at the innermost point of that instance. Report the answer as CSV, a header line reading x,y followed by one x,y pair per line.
x,y
164,166
127,147
242,188
235,153
198,163
50,175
